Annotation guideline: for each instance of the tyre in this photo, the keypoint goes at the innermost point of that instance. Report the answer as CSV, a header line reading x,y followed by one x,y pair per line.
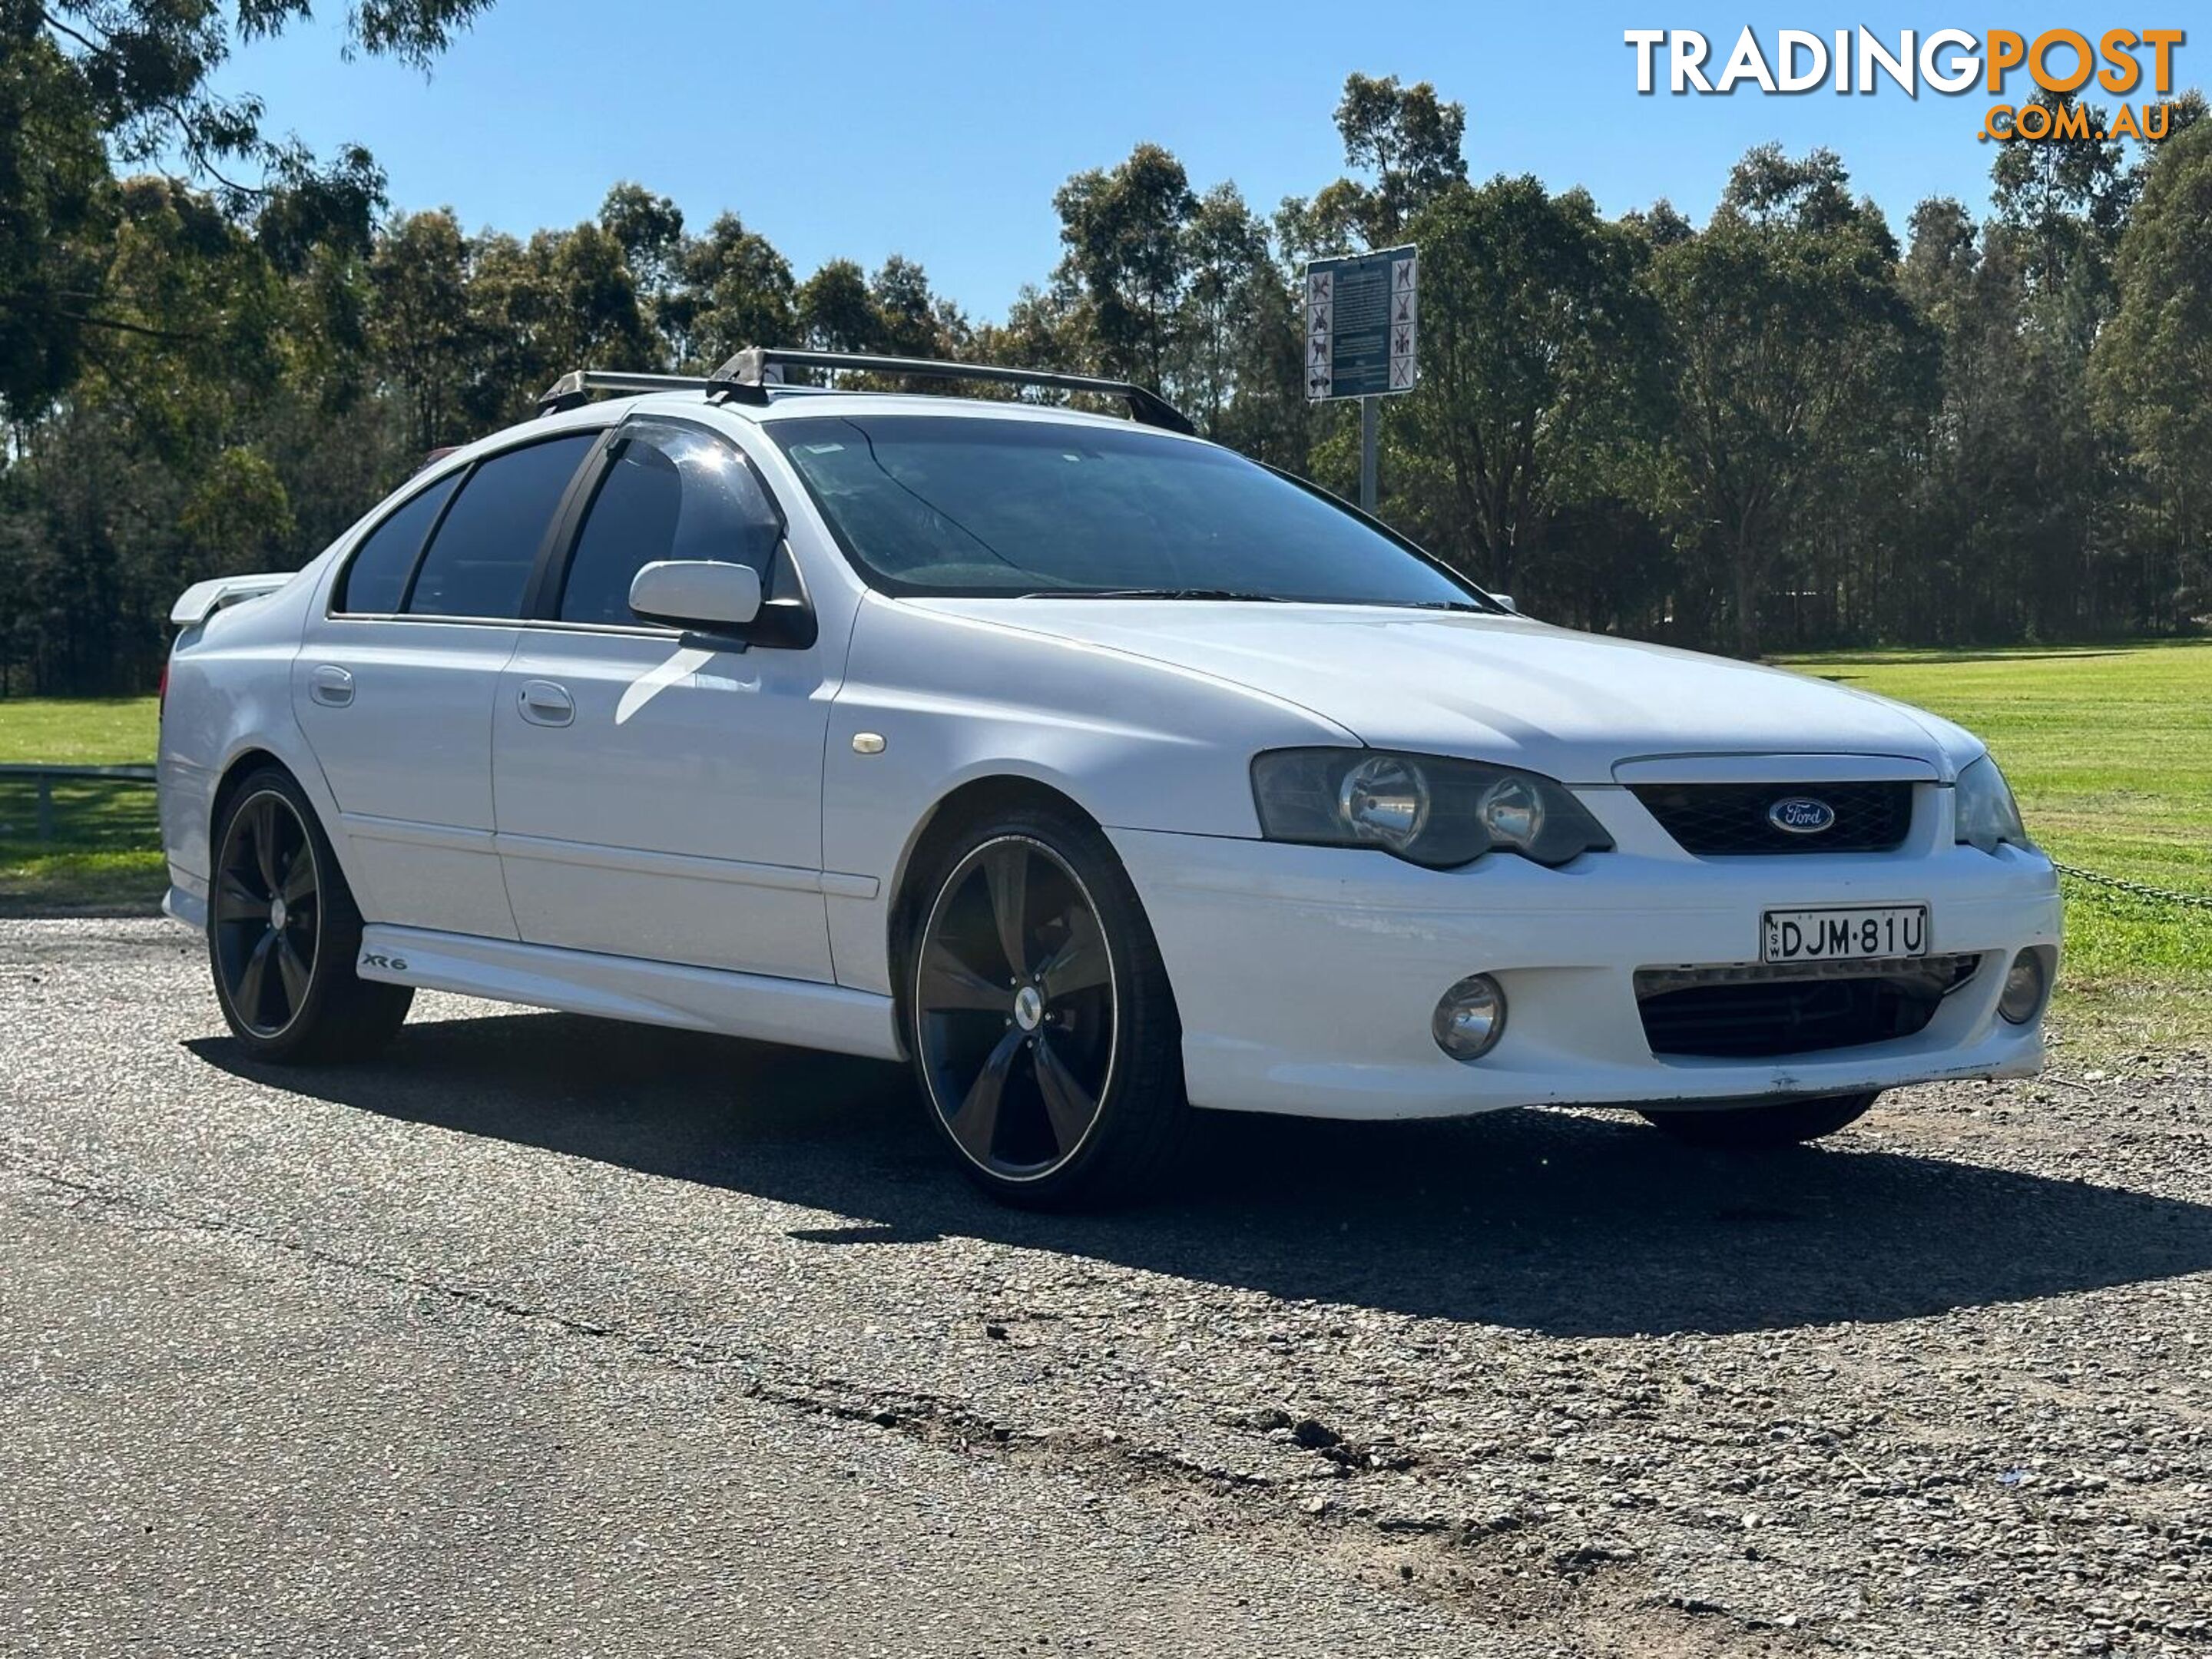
x,y
284,933
1777,1123
1039,1016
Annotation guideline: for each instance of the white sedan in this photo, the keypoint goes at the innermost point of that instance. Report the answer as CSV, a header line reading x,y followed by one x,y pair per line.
x,y
1098,772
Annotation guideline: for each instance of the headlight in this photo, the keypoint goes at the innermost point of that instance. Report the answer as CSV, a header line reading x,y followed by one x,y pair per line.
x,y
1988,817
1427,809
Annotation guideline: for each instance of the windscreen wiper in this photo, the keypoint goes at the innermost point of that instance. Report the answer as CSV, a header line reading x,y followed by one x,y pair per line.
x,y
1152,593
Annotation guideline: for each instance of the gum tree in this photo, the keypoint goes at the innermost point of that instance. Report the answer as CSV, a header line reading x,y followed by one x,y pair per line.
x,y
1800,367
2152,370
81,80
1541,354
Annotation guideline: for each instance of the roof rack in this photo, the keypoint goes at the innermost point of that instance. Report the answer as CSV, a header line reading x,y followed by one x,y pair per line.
x,y
575,388
747,376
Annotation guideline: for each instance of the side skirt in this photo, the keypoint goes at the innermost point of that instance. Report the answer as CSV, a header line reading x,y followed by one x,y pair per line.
x,y
181,903
757,1006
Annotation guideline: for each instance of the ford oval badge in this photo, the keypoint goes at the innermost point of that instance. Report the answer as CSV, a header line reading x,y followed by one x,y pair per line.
x,y
1801,815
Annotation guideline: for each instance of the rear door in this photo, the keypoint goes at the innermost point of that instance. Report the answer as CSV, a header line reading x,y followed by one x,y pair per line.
x,y
659,795
394,684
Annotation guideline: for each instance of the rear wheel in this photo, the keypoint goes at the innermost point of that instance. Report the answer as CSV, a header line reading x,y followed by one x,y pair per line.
x,y
1038,1012
1776,1123
284,933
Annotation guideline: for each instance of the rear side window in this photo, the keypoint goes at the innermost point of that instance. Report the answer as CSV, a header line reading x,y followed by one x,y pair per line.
x,y
481,560
669,492
376,580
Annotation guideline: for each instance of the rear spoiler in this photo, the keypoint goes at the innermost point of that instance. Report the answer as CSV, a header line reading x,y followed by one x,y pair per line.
x,y
202,599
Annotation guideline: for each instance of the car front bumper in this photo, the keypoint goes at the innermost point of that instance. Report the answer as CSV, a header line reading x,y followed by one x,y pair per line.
x,y
1306,977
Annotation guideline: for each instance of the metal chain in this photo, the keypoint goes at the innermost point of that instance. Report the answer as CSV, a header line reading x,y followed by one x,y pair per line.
x,y
2139,889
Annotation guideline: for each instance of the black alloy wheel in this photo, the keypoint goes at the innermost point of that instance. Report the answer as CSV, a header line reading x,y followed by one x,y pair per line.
x,y
1014,986
267,919
1039,1016
285,932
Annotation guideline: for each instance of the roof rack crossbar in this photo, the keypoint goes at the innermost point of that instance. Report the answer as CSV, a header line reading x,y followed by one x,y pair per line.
x,y
576,386
748,375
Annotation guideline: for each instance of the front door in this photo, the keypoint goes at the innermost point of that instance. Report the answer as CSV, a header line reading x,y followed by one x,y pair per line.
x,y
656,796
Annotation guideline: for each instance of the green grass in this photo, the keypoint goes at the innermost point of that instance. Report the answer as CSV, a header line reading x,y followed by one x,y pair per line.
x,y
2110,751
79,731
104,854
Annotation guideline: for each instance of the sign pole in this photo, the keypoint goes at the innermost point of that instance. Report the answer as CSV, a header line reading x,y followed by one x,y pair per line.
x,y
1371,441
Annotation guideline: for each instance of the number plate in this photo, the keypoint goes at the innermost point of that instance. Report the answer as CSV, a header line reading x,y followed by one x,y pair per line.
x,y
1861,933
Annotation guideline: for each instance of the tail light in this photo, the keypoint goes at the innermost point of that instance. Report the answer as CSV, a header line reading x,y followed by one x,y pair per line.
x,y
162,694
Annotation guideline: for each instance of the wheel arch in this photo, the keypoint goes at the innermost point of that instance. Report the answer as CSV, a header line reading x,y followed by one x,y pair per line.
x,y
251,758
241,767
947,816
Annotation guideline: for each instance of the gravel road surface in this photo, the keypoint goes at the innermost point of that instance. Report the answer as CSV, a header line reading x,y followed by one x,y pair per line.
x,y
543,1334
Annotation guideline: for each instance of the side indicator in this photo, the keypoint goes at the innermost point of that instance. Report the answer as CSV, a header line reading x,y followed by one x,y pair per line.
x,y
867,743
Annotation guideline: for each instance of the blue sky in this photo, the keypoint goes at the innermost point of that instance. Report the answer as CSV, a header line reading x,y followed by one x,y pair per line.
x,y
941,130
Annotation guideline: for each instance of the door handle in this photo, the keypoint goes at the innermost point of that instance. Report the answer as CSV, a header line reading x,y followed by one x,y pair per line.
x,y
545,704
331,685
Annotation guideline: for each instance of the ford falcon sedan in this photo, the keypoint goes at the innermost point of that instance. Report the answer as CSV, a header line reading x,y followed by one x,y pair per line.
x,y
1098,773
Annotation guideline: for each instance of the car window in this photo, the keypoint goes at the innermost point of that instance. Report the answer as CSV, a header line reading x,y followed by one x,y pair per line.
x,y
480,561
669,492
376,579
965,504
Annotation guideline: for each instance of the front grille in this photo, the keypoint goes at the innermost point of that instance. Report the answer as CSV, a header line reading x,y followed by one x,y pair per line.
x,y
1713,818
1751,1012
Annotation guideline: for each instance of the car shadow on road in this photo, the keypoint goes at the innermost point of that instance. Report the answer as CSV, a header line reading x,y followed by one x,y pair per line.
x,y
1569,1225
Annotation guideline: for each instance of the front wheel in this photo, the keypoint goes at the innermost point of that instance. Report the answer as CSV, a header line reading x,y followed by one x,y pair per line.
x,y
1776,1123
283,932
1042,1029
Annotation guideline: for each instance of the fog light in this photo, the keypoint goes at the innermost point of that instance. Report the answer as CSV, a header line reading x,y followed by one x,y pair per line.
x,y
1470,1018
2022,998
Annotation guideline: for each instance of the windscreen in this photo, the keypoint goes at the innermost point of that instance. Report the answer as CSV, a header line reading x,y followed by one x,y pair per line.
x,y
973,505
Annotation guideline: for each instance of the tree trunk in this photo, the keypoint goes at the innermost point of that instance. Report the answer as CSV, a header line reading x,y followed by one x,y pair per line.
x,y
1746,593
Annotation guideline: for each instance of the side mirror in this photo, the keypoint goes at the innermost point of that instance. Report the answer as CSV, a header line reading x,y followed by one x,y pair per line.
x,y
1506,599
702,593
